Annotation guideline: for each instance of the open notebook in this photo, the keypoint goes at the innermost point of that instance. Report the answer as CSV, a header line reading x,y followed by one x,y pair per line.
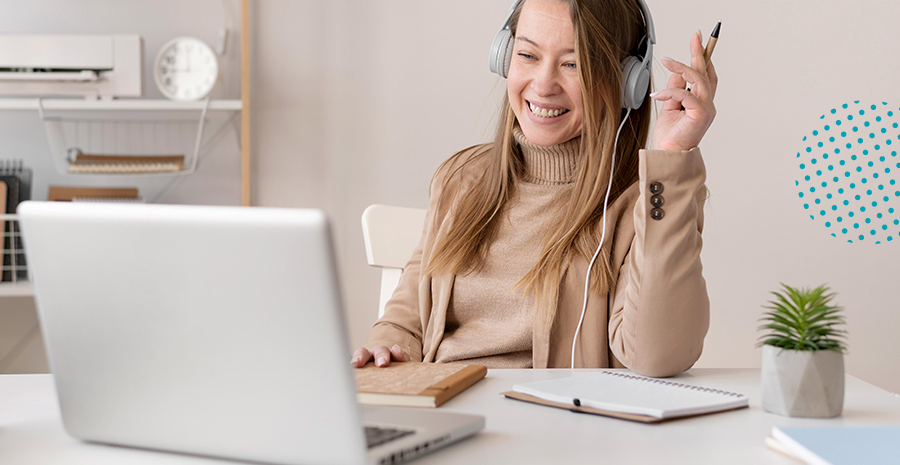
x,y
624,395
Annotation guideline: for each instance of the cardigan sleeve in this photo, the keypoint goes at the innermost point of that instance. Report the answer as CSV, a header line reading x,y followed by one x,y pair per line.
x,y
400,323
408,311
660,313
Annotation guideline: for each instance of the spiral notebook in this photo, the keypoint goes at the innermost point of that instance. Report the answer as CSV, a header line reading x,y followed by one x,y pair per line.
x,y
628,396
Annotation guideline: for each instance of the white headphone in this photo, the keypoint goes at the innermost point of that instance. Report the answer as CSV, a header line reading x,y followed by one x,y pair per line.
x,y
635,70
635,82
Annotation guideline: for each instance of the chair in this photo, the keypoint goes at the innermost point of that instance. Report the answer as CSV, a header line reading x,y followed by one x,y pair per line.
x,y
391,234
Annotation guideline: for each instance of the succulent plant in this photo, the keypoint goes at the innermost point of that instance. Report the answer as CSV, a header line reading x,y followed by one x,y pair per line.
x,y
803,319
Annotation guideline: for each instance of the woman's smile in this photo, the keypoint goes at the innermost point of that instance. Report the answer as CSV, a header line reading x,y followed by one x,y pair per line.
x,y
546,111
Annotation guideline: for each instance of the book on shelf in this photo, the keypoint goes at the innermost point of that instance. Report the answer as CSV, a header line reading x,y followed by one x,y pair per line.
x,y
627,396
414,384
82,163
107,194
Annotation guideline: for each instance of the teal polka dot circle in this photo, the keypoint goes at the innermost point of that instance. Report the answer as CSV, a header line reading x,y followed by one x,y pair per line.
x,y
861,142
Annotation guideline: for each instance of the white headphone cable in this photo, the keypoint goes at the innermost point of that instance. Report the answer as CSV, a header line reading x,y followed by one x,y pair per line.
x,y
587,276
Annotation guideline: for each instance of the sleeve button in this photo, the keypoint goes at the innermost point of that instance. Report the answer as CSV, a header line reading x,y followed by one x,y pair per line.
x,y
656,188
657,201
657,213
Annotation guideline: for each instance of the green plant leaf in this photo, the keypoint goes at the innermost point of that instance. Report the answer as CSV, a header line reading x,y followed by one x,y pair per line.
x,y
803,319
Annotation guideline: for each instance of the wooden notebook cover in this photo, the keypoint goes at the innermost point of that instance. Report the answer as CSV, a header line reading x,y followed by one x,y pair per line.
x,y
66,194
606,413
437,381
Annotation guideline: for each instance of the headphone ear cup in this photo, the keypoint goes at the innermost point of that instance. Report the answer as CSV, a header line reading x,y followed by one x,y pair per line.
x,y
635,82
501,53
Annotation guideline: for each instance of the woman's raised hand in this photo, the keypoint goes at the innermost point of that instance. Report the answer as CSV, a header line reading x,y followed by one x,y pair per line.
x,y
382,355
680,128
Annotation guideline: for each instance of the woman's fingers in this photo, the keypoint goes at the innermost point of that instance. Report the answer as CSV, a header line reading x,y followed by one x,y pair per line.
x,y
675,82
699,82
398,354
382,356
677,98
713,78
361,357
698,54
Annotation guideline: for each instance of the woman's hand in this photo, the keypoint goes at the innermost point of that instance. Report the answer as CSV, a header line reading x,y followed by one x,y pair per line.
x,y
680,128
382,355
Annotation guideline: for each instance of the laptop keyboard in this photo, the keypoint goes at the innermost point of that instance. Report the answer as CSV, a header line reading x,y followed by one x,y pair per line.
x,y
376,436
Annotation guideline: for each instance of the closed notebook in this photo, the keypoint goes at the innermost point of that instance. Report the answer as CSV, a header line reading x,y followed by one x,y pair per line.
x,y
624,395
414,384
841,445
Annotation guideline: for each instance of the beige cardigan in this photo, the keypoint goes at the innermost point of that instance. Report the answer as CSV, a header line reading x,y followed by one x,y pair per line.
x,y
653,320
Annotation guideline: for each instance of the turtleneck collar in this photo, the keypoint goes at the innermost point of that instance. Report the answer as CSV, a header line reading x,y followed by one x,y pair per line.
x,y
551,165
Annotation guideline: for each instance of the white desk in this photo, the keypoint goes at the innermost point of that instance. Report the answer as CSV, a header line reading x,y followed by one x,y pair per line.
x,y
516,432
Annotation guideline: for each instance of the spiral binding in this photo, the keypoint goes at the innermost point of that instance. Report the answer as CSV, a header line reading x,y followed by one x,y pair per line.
x,y
670,383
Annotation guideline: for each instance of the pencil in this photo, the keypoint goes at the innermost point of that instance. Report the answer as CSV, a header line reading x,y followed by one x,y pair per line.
x,y
711,43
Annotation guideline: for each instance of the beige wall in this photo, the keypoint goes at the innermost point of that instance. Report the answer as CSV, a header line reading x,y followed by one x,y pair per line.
x,y
363,100
357,102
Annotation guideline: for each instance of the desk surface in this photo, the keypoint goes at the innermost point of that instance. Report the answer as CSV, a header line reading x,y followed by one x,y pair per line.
x,y
516,432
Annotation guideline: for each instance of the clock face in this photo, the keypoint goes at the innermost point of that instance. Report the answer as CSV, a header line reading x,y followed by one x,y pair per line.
x,y
185,69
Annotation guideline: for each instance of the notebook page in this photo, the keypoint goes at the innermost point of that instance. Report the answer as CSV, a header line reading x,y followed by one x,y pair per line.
x,y
628,393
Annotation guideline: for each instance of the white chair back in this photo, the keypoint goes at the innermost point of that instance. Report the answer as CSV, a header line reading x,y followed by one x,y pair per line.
x,y
391,234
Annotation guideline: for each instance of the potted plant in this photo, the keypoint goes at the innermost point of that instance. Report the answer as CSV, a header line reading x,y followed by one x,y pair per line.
x,y
803,354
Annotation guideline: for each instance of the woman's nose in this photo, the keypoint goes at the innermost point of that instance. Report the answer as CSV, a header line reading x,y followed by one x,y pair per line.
x,y
546,81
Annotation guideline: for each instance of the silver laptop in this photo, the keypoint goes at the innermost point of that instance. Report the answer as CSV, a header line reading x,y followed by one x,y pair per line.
x,y
215,331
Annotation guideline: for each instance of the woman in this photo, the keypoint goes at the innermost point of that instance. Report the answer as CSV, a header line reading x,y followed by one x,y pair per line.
x,y
499,276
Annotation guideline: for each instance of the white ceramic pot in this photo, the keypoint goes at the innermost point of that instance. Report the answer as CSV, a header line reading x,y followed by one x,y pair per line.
x,y
798,383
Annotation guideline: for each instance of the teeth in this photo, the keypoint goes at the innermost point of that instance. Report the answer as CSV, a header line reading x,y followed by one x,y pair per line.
x,y
545,113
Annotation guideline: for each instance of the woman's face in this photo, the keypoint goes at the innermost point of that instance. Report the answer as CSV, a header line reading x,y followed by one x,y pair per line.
x,y
543,85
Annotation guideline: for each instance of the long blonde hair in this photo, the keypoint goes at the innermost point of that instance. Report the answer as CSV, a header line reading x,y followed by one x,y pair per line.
x,y
606,31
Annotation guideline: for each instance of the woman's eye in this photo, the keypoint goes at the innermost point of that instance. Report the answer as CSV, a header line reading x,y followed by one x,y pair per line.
x,y
571,66
526,56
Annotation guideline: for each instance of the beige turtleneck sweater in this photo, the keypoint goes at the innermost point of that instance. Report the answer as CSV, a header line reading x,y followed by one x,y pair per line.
x,y
490,320
653,319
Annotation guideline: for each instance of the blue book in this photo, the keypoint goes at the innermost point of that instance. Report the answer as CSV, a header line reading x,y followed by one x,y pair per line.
x,y
842,445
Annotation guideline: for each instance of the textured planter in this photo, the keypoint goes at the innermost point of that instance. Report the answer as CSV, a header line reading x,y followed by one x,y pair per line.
x,y
802,383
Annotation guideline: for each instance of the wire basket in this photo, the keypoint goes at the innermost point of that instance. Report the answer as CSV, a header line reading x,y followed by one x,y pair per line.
x,y
14,267
133,136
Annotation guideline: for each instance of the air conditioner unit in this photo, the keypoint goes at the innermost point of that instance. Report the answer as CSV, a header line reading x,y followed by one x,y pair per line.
x,y
85,65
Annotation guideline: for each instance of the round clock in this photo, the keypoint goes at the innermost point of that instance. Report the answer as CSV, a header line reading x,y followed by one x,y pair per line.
x,y
185,69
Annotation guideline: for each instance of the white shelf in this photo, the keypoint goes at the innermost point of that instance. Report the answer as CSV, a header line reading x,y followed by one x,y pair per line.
x,y
124,127
19,289
116,105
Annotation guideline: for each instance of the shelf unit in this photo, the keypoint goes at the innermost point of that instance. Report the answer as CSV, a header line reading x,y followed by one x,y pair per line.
x,y
157,107
113,115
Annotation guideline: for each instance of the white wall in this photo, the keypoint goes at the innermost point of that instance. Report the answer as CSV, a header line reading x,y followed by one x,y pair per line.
x,y
376,94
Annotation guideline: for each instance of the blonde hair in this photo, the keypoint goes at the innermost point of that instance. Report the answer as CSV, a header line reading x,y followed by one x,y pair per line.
x,y
606,31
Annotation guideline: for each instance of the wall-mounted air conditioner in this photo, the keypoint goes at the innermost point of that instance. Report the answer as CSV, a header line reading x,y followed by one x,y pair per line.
x,y
90,66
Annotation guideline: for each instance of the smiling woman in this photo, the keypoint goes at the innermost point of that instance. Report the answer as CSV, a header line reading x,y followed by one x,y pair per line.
x,y
504,275
544,89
